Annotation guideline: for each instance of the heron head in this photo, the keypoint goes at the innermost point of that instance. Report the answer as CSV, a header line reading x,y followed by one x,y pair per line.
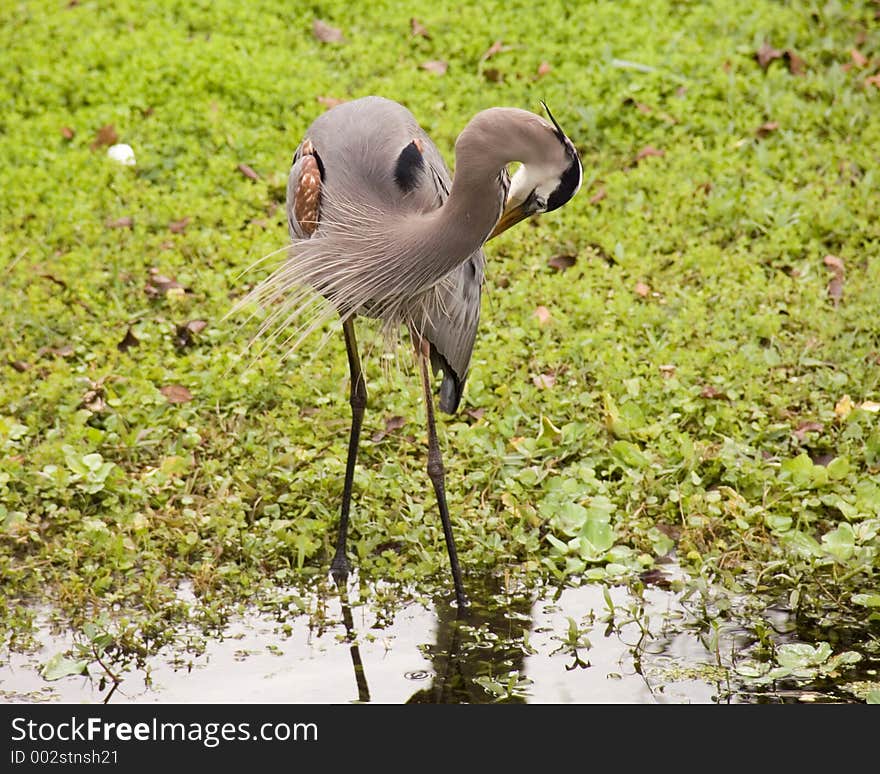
x,y
545,181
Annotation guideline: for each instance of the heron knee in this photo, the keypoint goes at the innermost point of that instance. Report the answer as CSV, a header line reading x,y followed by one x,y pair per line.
x,y
358,397
436,471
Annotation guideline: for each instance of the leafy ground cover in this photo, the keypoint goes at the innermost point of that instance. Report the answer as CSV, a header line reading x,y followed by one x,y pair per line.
x,y
683,363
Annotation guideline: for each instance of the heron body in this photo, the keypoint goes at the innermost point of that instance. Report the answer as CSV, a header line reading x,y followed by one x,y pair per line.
x,y
380,229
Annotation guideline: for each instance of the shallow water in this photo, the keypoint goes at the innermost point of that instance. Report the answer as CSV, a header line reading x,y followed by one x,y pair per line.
x,y
517,646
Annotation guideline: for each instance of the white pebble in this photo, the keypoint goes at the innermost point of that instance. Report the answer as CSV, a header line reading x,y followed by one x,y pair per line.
x,y
122,153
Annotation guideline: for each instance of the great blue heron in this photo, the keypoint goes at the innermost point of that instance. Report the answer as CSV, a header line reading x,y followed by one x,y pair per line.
x,y
379,229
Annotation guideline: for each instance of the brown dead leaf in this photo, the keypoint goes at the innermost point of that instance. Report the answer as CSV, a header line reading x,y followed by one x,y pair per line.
x,y
248,172
128,341
476,414
796,65
767,128
767,54
391,424
667,371
436,66
544,381
185,333
325,33
493,74
835,264
158,284
649,150
65,350
52,278
873,80
106,135
835,290
562,262
67,133
123,222
418,29
20,365
642,289
496,48
176,393
543,315
710,392
808,427
859,59
330,102
543,69
598,196
179,226
93,398
705,188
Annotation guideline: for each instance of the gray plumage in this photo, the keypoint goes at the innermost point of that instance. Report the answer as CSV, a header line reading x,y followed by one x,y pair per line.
x,y
379,228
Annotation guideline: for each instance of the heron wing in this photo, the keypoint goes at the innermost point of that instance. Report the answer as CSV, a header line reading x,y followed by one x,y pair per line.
x,y
451,311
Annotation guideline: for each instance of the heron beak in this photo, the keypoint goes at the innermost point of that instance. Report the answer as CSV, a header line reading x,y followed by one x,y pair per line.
x,y
510,217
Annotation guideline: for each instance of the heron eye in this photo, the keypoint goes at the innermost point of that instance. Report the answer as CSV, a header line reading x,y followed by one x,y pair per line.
x,y
535,202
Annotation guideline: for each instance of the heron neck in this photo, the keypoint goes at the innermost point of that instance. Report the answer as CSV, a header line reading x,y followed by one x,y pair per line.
x,y
446,237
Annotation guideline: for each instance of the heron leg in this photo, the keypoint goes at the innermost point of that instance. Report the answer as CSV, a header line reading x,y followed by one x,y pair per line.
x,y
340,566
435,466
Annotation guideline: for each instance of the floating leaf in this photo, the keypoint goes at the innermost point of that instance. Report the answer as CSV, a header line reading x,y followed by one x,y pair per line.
x,y
61,666
800,655
840,543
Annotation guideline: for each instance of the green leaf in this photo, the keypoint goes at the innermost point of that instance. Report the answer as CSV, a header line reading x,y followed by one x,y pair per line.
x,y
629,454
61,666
800,655
868,600
840,543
